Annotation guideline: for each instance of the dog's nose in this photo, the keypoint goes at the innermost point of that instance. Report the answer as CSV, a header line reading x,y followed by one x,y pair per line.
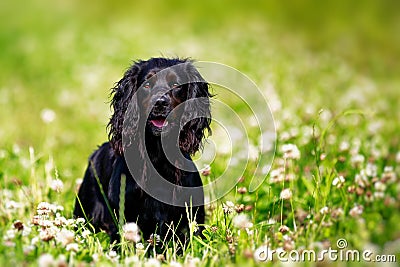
x,y
164,101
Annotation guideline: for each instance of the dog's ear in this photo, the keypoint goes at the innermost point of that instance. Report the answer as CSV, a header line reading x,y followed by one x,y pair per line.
x,y
197,113
124,105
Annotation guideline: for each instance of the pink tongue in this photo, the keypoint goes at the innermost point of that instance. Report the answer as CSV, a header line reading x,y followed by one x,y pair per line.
x,y
158,123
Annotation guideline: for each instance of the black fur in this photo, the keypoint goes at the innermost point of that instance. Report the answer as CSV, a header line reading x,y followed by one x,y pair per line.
x,y
108,163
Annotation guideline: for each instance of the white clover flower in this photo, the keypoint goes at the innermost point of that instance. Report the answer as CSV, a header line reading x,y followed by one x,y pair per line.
x,y
95,257
284,229
44,208
337,212
34,241
284,136
287,238
152,263
361,179
369,197
9,243
9,235
228,207
131,227
46,260
61,261
47,234
290,151
376,153
28,249
356,211
356,144
379,194
294,132
65,237
131,232
16,149
72,247
275,173
48,115
55,208
60,221
242,190
276,176
27,230
388,169
371,170
357,159
338,181
389,175
154,239
324,210
191,262
57,185
374,127
80,220
132,261
6,193
175,264
242,221
286,194
86,233
45,223
344,146
139,246
379,186
290,177
12,205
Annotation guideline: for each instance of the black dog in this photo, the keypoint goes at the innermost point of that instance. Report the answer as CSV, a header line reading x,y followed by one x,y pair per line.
x,y
152,113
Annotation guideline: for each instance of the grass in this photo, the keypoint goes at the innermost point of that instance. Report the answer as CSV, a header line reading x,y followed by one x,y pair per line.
x,y
329,72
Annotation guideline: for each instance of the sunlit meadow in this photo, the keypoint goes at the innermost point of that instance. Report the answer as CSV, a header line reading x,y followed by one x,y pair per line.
x,y
330,75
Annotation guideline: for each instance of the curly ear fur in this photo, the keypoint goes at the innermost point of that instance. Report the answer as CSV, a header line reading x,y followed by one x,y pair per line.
x,y
195,129
122,96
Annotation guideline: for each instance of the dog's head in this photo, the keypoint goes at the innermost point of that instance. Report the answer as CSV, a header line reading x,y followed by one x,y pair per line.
x,y
157,96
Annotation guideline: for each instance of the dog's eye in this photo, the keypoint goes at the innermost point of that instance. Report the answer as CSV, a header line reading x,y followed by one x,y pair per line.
x,y
146,85
175,85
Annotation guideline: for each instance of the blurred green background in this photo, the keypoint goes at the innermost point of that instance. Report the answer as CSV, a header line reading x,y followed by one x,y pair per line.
x,y
65,55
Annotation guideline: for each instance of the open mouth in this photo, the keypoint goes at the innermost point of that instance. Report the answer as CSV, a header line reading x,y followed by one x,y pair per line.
x,y
159,122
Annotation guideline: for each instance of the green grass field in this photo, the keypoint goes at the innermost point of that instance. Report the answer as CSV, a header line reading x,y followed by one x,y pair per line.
x,y
328,70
